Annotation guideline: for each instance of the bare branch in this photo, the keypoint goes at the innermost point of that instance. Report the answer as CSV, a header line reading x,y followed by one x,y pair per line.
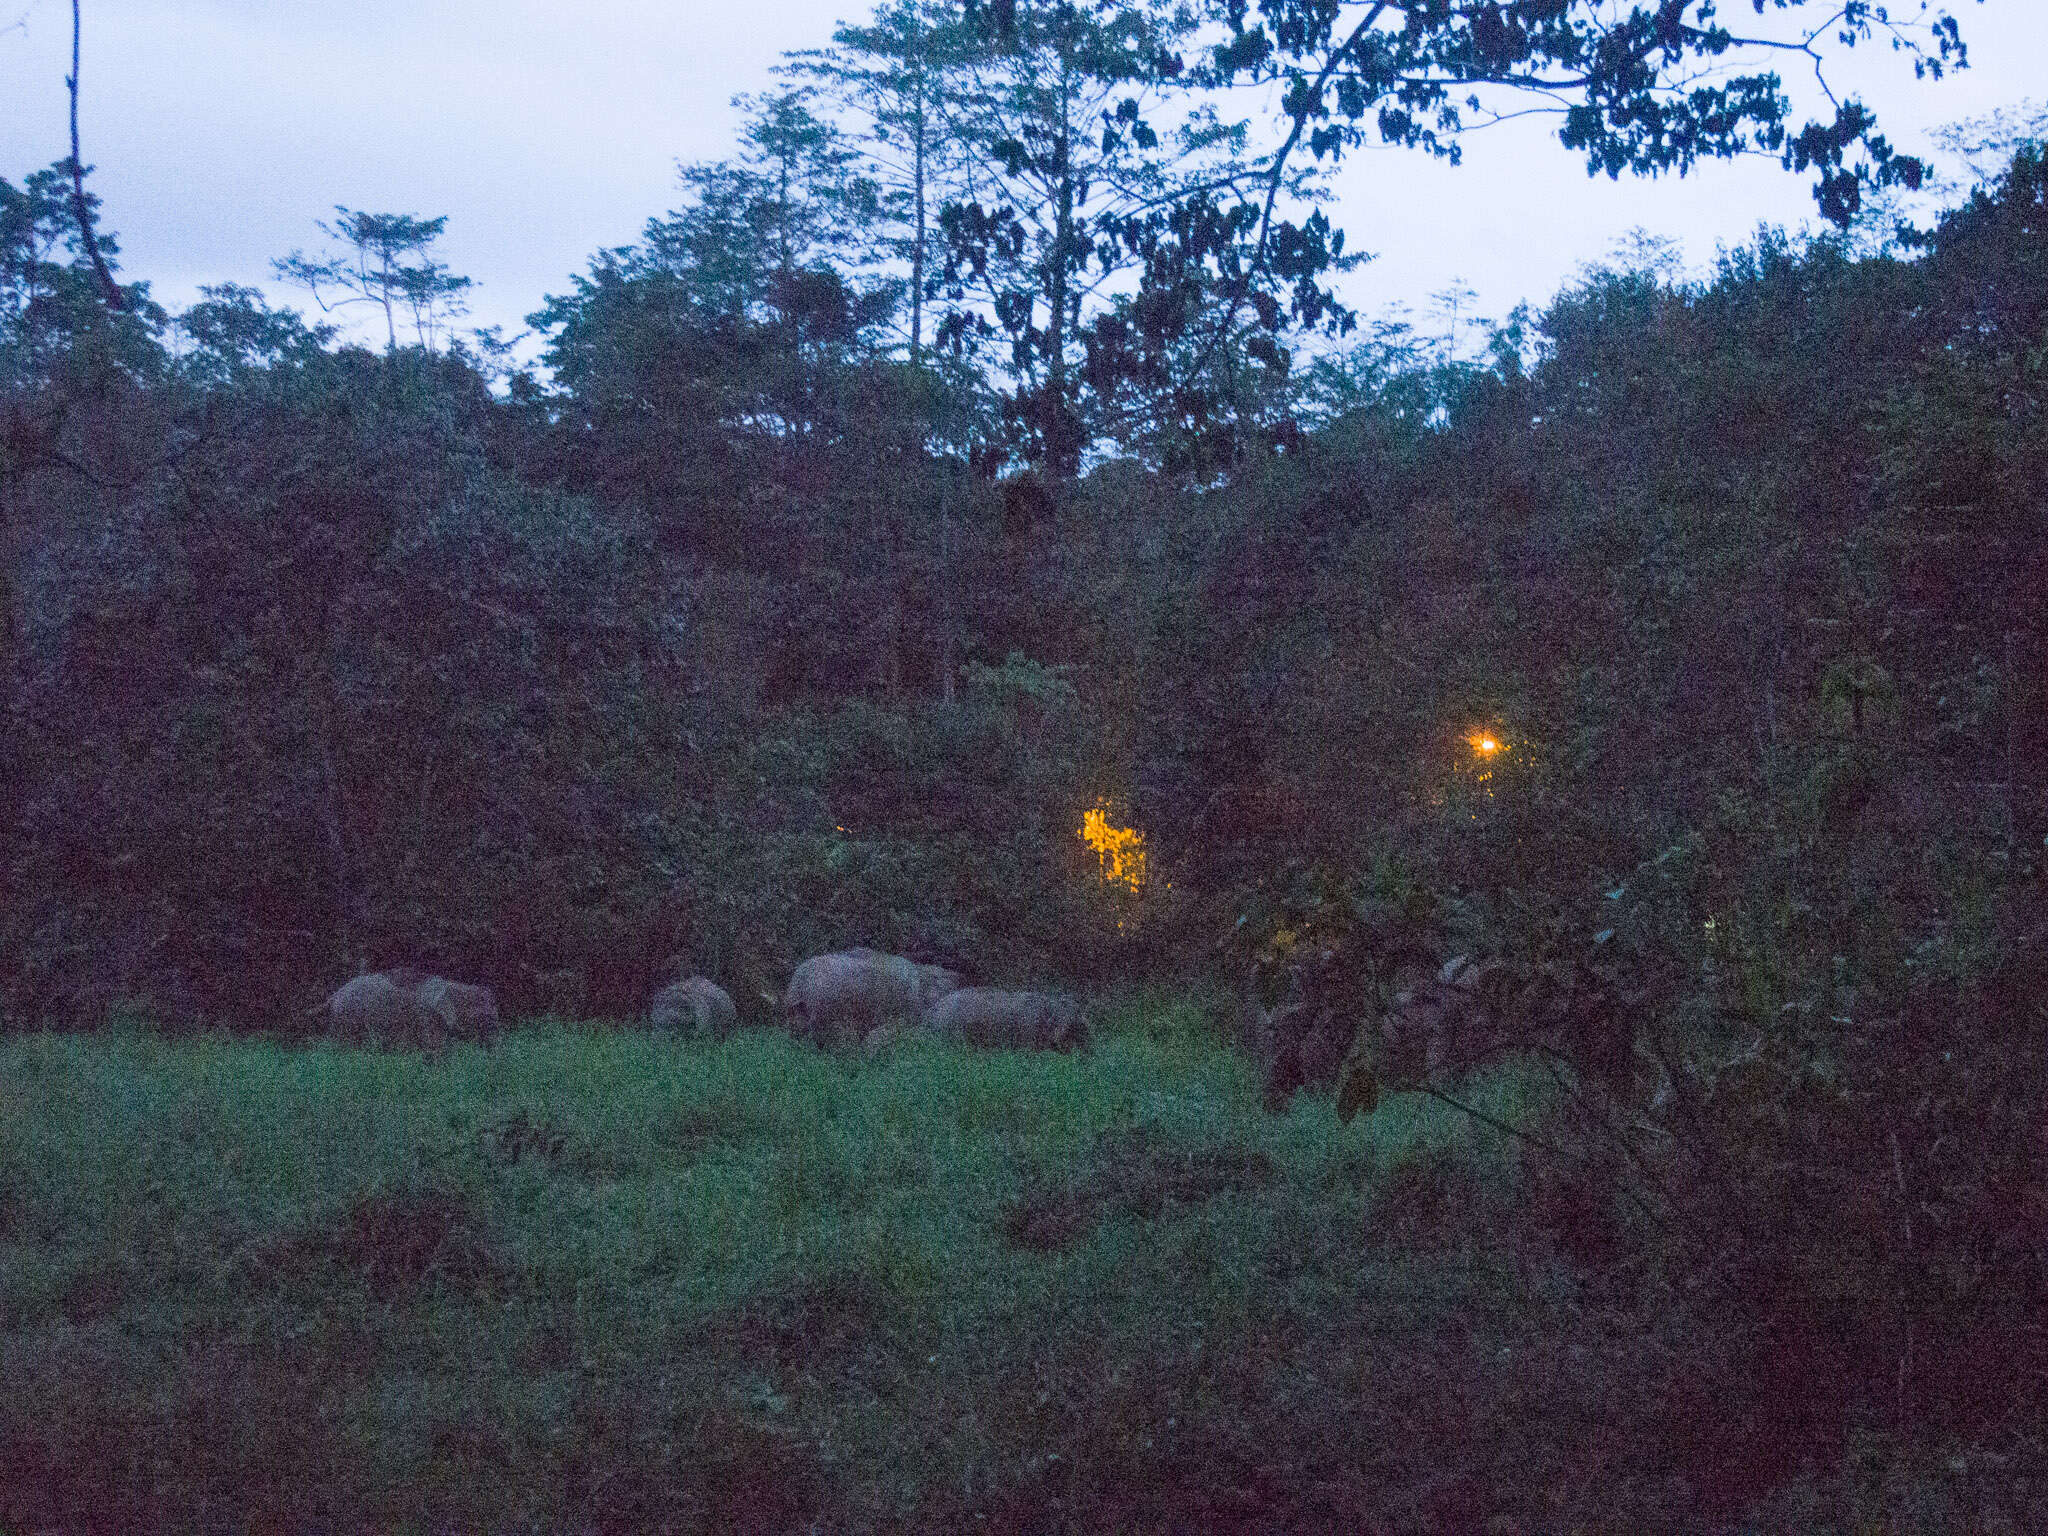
x,y
109,289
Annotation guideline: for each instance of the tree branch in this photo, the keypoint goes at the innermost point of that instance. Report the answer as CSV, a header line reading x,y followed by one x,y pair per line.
x,y
109,289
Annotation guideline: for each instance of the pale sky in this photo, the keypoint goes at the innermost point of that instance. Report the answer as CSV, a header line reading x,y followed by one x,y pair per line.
x,y
222,129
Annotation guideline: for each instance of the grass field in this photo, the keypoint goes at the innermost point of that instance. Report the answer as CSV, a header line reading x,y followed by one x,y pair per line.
x,y
590,1281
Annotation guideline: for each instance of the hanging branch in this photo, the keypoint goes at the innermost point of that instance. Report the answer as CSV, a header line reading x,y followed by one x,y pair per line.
x,y
109,289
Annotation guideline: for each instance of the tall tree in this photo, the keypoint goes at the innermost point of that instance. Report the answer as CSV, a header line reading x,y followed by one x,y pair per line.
x,y
781,235
389,263
1069,231
1064,202
890,79
809,194
729,314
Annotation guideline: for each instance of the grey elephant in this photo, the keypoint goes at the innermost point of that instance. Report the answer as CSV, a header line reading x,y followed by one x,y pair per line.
x,y
698,1006
465,1011
371,1008
992,1018
842,998
405,1009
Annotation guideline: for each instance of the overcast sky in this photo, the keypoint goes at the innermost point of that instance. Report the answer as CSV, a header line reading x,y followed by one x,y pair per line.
x,y
222,129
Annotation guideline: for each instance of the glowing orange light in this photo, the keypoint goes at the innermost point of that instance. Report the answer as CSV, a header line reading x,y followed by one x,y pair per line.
x,y
1484,743
1120,849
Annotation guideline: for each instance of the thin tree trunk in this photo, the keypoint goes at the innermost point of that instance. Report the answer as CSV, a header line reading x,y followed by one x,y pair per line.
x,y
2012,768
947,601
109,289
1058,457
331,812
390,324
917,246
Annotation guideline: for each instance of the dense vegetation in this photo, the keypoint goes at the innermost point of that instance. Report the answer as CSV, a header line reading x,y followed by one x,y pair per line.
x,y
1677,659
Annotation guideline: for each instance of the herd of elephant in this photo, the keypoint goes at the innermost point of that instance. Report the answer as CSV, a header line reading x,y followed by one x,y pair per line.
x,y
852,997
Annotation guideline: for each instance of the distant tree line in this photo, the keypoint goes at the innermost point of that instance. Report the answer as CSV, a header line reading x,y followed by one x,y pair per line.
x,y
740,626
313,653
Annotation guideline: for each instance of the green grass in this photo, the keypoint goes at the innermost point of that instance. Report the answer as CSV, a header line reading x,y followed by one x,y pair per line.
x,y
592,1281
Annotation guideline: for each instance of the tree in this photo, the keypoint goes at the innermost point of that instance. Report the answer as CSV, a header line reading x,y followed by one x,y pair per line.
x,y
1986,146
389,264
1069,228
890,77
1968,444
743,341
775,246
49,286
731,316
807,195
1106,235
234,334
1053,144
42,299
762,237
1645,88
64,351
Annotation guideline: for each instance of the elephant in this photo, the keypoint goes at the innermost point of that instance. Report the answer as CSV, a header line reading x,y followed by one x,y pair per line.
x,y
405,1009
698,1006
466,1011
990,1017
382,1008
841,998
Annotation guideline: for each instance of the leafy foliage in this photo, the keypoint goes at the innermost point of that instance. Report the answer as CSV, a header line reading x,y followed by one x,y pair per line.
x,y
387,262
